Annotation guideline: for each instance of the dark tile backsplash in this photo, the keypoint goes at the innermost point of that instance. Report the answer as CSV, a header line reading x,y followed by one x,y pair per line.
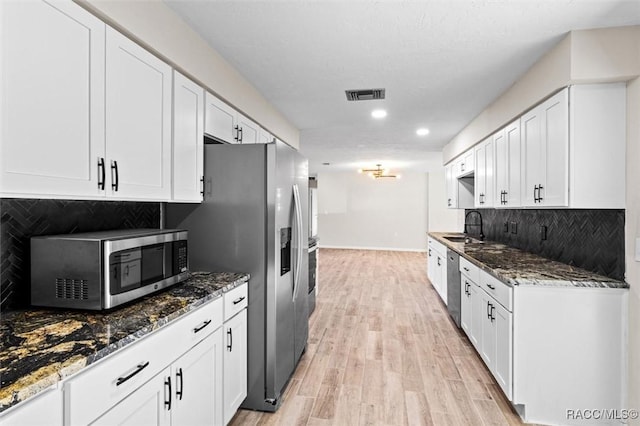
x,y
21,219
590,239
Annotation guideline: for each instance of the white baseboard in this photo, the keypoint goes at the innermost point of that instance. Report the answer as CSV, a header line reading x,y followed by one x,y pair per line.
x,y
372,248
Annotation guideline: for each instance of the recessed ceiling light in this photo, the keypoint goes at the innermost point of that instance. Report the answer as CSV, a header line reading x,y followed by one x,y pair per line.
x,y
378,113
423,131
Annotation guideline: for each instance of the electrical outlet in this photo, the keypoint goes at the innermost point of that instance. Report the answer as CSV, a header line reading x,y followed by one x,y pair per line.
x,y
506,227
514,227
543,232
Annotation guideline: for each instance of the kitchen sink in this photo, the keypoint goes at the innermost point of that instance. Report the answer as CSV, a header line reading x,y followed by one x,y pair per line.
x,y
462,239
456,239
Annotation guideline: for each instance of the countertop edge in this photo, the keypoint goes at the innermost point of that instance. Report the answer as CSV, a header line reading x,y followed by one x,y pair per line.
x,y
611,284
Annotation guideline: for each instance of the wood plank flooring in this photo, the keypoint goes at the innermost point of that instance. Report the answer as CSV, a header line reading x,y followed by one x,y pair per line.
x,y
383,350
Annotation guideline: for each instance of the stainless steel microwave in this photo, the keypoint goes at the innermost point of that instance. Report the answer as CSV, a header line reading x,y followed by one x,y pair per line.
x,y
101,270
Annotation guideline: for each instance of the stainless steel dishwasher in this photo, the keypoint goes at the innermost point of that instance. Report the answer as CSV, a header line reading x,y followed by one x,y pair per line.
x,y
453,285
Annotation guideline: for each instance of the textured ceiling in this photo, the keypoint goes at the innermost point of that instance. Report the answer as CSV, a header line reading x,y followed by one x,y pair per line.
x,y
441,63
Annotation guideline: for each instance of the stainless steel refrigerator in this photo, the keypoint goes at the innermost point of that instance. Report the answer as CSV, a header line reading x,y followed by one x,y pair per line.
x,y
254,218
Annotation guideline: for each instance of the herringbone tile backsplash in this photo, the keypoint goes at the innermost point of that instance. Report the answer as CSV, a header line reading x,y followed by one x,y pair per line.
x,y
21,219
590,239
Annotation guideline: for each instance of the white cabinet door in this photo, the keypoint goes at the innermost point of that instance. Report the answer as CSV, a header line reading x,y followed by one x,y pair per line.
x,y
468,163
466,304
52,112
249,130
452,188
220,120
476,316
501,150
488,340
149,405
484,174
503,366
138,121
545,144
506,143
555,151
188,134
197,392
45,408
531,155
264,136
431,261
514,165
235,364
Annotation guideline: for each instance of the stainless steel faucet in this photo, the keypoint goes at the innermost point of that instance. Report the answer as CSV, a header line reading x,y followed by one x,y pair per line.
x,y
466,225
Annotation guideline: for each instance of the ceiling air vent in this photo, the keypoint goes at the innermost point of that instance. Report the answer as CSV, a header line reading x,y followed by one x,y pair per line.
x,y
364,94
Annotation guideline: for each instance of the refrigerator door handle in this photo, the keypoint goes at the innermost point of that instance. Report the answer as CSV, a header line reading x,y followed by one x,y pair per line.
x,y
298,208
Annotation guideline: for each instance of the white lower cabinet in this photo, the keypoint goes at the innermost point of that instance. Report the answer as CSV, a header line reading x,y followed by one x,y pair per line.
x,y
545,347
488,324
503,363
173,376
465,304
188,392
437,268
235,363
476,317
144,407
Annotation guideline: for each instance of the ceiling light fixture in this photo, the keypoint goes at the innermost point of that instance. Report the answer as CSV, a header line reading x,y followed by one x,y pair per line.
x,y
423,131
378,172
378,113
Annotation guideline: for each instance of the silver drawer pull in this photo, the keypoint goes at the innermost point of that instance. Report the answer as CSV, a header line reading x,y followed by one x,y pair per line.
x,y
204,324
138,369
491,287
238,300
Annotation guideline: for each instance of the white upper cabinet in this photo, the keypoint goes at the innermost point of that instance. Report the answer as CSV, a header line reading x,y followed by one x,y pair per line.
x,y
248,129
188,134
452,186
484,182
597,145
138,121
224,123
507,166
545,143
52,110
220,120
264,136
465,164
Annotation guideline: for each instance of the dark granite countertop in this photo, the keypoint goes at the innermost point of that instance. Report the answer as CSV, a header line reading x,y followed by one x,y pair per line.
x,y
40,347
516,267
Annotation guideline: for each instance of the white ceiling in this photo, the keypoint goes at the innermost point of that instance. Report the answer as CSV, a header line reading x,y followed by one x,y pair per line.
x,y
441,63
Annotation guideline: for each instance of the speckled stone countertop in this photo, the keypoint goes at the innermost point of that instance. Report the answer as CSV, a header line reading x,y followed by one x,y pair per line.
x,y
39,347
517,267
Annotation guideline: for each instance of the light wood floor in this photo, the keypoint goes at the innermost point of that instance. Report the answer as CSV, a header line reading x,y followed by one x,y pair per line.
x,y
383,350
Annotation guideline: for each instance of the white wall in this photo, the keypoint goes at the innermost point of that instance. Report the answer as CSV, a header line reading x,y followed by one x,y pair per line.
x,y
584,56
356,211
442,218
154,25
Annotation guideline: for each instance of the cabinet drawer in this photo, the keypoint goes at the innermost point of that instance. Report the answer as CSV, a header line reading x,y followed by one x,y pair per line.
x,y
469,269
235,301
497,289
101,386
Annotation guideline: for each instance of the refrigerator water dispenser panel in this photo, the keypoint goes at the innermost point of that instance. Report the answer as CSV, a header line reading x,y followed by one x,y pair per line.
x,y
285,250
